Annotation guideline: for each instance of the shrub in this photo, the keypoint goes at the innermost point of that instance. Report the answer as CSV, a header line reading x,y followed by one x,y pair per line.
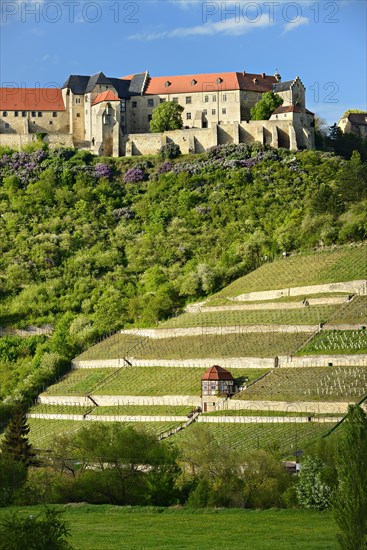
x,y
170,151
102,171
134,175
34,532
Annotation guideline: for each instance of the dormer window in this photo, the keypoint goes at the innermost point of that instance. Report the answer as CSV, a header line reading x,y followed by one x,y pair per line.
x,y
167,83
255,81
193,82
219,80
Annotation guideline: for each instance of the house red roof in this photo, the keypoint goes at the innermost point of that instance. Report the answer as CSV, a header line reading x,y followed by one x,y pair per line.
x,y
217,373
287,109
209,83
105,96
31,99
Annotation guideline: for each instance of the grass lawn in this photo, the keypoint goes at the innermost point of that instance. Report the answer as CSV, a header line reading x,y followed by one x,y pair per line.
x,y
114,528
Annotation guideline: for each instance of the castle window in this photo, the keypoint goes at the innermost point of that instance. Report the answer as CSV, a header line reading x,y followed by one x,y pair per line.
x,y
150,102
54,114
188,116
135,104
224,111
51,122
78,115
16,113
162,100
213,111
39,114
206,99
175,100
214,98
24,114
188,100
150,117
7,125
5,113
205,124
77,100
33,113
224,98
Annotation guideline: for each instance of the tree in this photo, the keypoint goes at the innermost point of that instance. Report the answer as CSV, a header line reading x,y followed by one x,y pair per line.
x,y
266,106
350,499
15,442
312,492
167,116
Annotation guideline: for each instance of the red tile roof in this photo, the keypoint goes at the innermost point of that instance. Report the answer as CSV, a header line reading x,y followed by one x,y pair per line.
x,y
31,99
217,373
105,96
209,83
287,109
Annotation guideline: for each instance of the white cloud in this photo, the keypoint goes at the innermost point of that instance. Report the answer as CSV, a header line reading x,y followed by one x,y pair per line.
x,y
232,26
296,23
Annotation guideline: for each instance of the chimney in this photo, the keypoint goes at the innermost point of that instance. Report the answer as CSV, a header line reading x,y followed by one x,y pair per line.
x,y
263,75
244,72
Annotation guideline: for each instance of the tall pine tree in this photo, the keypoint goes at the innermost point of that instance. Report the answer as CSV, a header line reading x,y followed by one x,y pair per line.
x,y
15,442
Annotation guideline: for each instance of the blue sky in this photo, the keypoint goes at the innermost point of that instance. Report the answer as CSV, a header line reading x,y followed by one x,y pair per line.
x,y
324,42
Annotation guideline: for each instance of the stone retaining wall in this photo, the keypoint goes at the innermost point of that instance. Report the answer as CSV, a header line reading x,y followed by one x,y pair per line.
x,y
317,407
121,400
265,419
352,287
227,363
201,308
161,333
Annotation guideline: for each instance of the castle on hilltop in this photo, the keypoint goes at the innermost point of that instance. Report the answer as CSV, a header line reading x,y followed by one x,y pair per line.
x,y
110,116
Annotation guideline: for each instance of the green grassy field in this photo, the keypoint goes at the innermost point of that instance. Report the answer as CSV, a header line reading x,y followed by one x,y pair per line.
x,y
263,344
345,264
310,384
311,315
140,381
115,528
340,341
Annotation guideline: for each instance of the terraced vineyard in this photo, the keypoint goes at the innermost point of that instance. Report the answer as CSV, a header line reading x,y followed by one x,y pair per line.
x,y
345,264
286,437
310,384
168,391
265,344
118,410
141,381
307,315
43,432
338,342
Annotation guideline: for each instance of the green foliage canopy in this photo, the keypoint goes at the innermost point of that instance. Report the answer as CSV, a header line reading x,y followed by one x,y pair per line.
x,y
264,108
167,116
